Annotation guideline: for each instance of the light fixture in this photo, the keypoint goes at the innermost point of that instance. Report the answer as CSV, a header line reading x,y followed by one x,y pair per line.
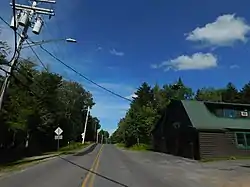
x,y
71,40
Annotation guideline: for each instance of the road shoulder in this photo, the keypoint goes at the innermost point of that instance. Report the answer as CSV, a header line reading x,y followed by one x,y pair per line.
x,y
26,163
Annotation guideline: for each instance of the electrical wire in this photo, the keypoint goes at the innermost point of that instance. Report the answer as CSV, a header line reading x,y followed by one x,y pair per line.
x,y
23,84
44,66
8,24
54,45
4,21
72,69
83,76
26,76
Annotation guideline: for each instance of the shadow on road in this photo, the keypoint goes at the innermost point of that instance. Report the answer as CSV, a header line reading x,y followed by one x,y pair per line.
x,y
89,150
246,166
86,169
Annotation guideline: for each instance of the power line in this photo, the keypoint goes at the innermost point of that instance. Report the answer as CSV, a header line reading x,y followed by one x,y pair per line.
x,y
44,66
30,16
4,21
54,46
72,69
83,76
23,84
26,76
8,25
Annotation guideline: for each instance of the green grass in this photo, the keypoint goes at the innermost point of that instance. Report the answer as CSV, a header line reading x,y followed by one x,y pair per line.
x,y
226,158
121,145
140,147
73,147
70,149
19,164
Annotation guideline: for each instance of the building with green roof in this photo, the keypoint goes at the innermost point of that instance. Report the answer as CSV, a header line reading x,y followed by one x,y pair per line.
x,y
197,129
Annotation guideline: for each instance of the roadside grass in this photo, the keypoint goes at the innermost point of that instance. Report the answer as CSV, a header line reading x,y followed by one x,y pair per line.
x,y
140,147
73,148
19,165
69,149
121,145
22,163
225,158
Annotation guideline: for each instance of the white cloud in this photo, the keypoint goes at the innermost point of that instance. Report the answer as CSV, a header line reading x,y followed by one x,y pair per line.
x,y
111,67
132,96
154,66
234,66
197,61
116,53
99,48
111,131
225,30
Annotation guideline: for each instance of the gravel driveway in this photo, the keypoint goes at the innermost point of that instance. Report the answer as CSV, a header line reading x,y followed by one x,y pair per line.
x,y
182,172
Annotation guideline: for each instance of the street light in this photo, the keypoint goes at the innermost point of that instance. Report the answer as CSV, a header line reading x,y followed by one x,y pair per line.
x,y
70,40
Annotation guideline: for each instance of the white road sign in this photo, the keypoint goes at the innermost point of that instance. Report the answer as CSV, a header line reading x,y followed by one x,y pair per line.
x,y
58,131
59,137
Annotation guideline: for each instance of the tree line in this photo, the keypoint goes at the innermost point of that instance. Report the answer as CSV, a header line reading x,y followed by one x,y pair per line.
x,y
149,103
36,103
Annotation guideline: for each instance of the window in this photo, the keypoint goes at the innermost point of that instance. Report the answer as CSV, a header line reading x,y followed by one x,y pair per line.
x,y
243,140
230,113
248,139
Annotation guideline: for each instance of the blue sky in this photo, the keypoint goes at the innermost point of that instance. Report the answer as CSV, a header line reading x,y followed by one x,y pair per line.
x,y
123,43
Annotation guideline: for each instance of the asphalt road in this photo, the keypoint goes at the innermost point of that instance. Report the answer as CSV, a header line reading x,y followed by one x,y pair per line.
x,y
107,166
104,166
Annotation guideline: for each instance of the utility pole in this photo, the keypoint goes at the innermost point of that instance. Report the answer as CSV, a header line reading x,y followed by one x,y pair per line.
x,y
27,16
97,141
96,133
85,126
102,139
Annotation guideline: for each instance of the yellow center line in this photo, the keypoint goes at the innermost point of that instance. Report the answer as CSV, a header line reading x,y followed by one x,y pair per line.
x,y
92,178
91,169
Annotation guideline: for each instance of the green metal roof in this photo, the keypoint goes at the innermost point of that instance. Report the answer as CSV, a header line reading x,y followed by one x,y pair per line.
x,y
202,118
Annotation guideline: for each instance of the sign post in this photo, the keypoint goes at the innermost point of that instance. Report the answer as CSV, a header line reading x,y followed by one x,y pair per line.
x,y
58,144
58,136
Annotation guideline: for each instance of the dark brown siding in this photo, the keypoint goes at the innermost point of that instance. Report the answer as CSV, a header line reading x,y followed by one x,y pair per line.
x,y
219,144
165,135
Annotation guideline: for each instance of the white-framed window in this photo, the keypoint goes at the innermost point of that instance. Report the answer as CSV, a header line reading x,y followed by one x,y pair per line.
x,y
243,140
